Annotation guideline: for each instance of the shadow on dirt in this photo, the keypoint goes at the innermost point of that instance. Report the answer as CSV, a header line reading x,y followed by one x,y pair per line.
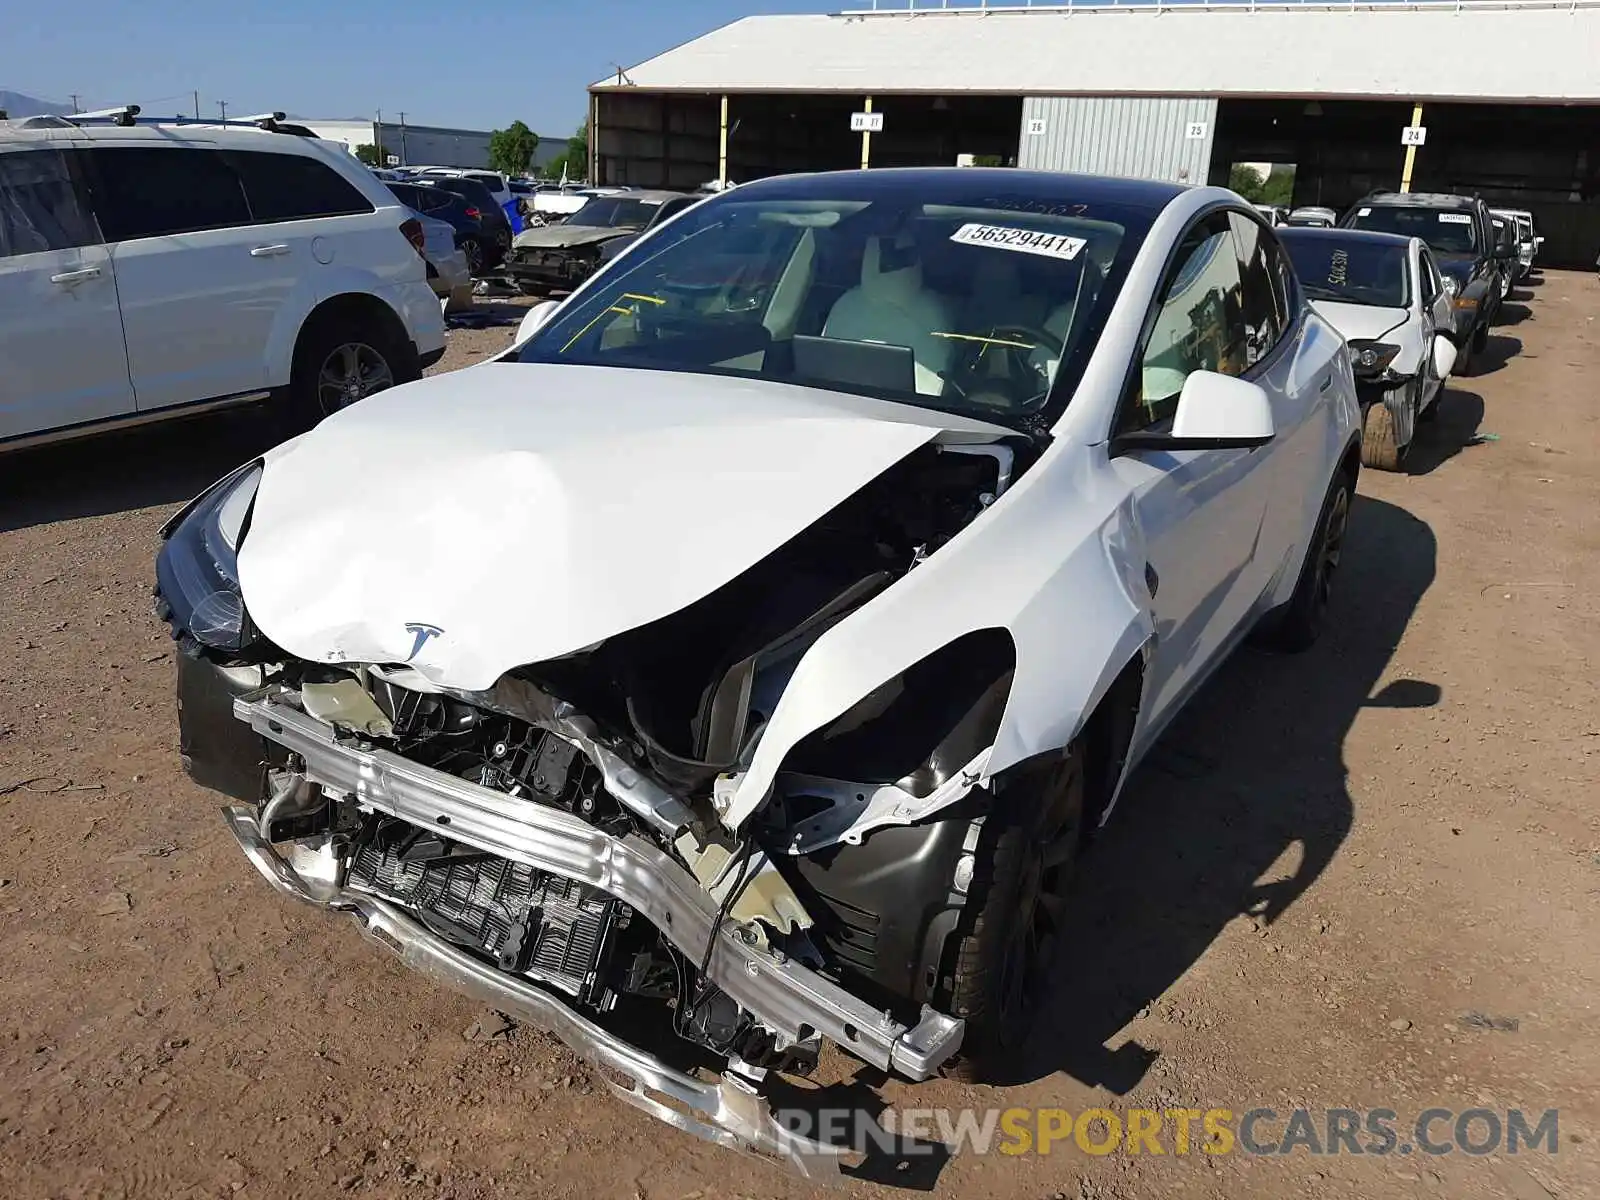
x,y
1237,811
1447,435
1500,348
1249,776
1513,313
164,464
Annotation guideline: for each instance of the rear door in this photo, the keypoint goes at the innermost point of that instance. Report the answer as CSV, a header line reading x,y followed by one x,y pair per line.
x,y
196,279
62,359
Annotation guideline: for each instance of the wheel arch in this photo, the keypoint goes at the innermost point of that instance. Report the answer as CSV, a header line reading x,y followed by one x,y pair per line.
x,y
359,309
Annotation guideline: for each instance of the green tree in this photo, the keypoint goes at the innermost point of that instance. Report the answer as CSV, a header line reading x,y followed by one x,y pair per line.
x,y
1248,182
370,154
511,149
574,160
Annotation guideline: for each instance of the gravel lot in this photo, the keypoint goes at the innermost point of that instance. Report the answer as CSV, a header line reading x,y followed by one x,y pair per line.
x,y
1334,867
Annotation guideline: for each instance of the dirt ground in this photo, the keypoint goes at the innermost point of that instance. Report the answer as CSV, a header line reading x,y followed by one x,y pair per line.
x,y
1341,882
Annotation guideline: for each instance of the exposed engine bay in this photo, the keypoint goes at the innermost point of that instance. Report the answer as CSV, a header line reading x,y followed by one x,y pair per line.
x,y
630,737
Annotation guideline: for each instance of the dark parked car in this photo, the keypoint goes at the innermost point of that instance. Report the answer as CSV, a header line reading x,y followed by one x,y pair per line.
x,y
563,256
466,218
1461,234
668,210
496,225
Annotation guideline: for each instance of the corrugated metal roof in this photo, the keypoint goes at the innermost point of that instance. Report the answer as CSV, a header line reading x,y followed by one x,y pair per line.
x,y
1385,50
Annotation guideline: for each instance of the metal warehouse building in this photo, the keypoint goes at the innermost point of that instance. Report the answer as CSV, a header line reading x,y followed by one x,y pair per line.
x,y
1506,96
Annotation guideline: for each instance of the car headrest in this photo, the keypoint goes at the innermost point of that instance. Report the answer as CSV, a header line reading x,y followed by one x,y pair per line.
x,y
891,268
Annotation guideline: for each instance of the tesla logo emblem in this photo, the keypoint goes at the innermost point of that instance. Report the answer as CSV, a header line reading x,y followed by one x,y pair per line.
x,y
422,633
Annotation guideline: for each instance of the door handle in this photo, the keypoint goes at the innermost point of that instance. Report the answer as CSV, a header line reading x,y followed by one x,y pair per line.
x,y
1327,382
77,276
268,251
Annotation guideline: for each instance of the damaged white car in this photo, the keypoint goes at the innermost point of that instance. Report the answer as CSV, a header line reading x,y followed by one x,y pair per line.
x,y
744,655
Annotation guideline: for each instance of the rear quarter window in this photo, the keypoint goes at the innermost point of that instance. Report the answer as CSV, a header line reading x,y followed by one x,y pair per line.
x,y
294,187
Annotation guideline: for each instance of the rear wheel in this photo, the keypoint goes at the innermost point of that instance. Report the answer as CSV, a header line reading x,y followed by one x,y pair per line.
x,y
1015,916
340,362
472,247
1298,623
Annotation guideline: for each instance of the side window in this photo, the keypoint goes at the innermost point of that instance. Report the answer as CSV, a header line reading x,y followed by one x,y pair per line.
x,y
1283,283
143,192
1198,324
294,187
41,207
1263,311
1427,277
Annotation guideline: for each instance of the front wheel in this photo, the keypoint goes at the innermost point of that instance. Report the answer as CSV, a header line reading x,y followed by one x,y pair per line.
x,y
473,249
1015,916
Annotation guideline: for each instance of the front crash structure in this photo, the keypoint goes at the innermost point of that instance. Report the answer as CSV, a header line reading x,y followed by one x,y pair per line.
x,y
531,899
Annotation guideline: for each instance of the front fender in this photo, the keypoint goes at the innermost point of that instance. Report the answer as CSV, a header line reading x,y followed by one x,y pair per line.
x,y
1054,562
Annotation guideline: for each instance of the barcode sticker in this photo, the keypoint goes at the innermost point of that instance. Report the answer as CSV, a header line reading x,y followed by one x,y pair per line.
x,y
1026,241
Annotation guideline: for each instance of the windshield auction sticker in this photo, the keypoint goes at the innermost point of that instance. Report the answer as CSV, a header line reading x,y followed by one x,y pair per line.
x,y
1026,241
1455,218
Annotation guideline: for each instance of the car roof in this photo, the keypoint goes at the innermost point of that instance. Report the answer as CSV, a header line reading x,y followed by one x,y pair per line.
x,y
1002,183
1418,200
1301,233
35,130
646,194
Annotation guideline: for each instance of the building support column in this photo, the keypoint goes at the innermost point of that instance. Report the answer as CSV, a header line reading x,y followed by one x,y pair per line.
x,y
1411,151
722,150
593,165
866,139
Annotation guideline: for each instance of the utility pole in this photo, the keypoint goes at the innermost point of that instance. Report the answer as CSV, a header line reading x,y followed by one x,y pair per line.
x,y
402,137
223,105
75,107
197,104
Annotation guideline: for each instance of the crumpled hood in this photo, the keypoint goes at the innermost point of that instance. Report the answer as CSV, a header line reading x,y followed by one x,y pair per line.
x,y
520,512
561,237
1360,322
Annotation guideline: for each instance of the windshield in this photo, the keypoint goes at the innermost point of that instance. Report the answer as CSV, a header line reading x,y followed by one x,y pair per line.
x,y
1353,271
616,212
963,307
1445,230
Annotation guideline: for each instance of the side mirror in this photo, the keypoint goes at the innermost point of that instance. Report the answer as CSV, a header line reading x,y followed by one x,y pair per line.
x,y
1215,412
534,318
1444,355
1502,250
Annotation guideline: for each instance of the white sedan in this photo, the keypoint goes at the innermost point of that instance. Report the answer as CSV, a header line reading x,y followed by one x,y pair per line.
x,y
1386,295
754,642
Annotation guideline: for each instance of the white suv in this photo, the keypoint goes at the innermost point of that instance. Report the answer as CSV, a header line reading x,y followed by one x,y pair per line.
x,y
149,273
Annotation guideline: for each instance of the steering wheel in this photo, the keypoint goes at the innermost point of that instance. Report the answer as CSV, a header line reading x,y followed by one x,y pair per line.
x,y
1020,344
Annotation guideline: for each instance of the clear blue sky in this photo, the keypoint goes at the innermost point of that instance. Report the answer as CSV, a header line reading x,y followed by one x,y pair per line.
x,y
473,63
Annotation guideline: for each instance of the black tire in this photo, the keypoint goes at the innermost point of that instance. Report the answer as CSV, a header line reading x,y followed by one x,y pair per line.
x,y
472,247
1296,625
999,969
327,350
1480,338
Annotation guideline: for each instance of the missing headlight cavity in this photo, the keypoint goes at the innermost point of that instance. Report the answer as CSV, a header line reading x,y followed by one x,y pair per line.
x,y
920,728
694,689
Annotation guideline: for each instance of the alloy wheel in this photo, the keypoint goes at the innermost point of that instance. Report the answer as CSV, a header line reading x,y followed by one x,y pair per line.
x,y
1039,919
351,372
1332,548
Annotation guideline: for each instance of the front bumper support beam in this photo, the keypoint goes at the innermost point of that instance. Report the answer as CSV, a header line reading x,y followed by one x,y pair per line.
x,y
788,997
726,1111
